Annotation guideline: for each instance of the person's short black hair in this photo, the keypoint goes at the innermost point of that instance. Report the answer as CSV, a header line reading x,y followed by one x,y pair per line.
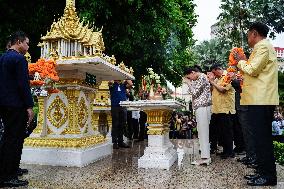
x,y
261,28
17,36
189,70
8,42
216,66
198,68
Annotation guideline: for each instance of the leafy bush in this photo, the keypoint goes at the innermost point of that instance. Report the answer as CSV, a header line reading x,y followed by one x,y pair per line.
x,y
279,152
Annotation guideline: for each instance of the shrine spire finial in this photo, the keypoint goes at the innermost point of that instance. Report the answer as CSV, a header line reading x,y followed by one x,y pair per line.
x,y
70,2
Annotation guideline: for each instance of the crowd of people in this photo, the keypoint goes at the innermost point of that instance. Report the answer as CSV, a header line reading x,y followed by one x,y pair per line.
x,y
182,125
242,110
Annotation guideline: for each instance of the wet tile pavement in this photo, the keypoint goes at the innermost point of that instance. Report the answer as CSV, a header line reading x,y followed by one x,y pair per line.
x,y
120,170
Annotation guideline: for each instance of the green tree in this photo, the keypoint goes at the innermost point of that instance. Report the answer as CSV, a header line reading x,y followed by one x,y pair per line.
x,y
281,87
211,51
141,33
33,17
146,33
236,17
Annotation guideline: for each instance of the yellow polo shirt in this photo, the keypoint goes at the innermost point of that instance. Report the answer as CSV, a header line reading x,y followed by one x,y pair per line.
x,y
260,73
223,102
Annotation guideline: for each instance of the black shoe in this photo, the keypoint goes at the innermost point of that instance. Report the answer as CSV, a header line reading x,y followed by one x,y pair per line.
x,y
219,153
250,161
261,181
239,151
241,160
252,177
252,166
123,145
225,156
115,146
15,183
22,172
213,151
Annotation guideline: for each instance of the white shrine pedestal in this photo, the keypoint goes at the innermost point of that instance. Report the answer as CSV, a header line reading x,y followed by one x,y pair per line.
x,y
160,152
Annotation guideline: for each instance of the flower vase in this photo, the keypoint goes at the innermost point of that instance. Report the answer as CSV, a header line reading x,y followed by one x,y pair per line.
x,y
151,93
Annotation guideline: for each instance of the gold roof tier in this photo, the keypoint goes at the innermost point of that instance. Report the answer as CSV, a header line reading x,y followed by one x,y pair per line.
x,y
69,27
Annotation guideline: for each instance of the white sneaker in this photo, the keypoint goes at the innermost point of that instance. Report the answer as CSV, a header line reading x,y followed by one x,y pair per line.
x,y
201,162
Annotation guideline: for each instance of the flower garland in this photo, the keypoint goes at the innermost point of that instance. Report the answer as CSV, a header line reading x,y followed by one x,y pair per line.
x,y
44,73
151,79
232,69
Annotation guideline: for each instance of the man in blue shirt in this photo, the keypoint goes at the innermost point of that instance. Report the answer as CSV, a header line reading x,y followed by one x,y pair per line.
x,y
118,113
15,108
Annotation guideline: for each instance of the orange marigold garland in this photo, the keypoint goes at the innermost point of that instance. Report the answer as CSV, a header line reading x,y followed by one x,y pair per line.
x,y
232,66
44,73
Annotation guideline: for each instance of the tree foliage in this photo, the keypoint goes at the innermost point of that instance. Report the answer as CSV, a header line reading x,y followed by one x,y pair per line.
x,y
142,33
145,33
281,87
33,17
210,52
236,16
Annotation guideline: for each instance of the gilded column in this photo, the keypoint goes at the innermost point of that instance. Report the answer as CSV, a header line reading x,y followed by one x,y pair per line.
x,y
72,96
94,115
158,121
41,115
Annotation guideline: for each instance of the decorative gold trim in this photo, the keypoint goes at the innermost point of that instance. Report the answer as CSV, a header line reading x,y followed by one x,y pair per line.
x,y
82,113
158,131
41,115
64,142
72,96
158,116
158,120
109,120
72,81
57,113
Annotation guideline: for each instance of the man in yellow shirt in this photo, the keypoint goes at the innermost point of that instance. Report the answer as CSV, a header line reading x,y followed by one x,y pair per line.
x,y
260,94
223,107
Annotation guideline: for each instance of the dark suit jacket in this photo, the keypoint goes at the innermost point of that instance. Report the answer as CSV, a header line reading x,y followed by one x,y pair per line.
x,y
14,81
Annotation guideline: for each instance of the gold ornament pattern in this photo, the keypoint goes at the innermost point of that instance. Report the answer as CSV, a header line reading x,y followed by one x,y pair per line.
x,y
72,96
65,142
40,118
82,113
57,112
159,117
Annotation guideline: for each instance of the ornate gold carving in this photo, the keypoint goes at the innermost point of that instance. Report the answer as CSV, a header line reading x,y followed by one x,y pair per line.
x,y
28,57
70,81
72,96
95,120
41,115
82,113
69,27
57,112
158,116
157,131
158,121
104,86
65,142
109,120
70,3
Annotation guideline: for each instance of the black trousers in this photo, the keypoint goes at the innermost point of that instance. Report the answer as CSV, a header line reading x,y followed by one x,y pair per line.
x,y
260,118
225,122
15,122
142,125
119,115
238,133
129,130
135,126
214,132
248,132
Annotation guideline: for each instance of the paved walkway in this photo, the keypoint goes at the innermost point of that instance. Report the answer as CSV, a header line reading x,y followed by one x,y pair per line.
x,y
120,171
